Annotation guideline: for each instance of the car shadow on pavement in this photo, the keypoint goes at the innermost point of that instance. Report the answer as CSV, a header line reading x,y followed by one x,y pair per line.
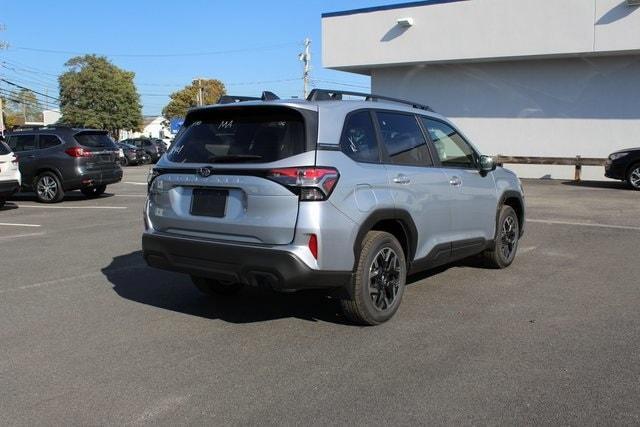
x,y
69,196
132,279
8,207
616,185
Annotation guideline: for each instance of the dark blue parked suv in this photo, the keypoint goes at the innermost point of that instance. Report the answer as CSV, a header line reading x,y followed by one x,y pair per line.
x,y
55,159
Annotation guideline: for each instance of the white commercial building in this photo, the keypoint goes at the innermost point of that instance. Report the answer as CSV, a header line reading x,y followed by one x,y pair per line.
x,y
519,77
152,127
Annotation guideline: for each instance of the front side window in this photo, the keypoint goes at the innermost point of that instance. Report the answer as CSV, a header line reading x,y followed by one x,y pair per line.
x,y
256,135
48,141
452,149
403,139
359,138
20,143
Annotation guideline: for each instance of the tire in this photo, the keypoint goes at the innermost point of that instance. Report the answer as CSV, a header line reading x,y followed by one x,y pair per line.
x,y
125,161
2,202
633,176
48,188
506,240
93,192
379,280
213,287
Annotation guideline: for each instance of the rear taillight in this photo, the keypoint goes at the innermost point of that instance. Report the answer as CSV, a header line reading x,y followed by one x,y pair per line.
x,y
310,183
152,174
15,159
78,152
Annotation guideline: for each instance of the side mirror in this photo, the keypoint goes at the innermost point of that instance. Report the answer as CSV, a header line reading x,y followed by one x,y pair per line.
x,y
487,164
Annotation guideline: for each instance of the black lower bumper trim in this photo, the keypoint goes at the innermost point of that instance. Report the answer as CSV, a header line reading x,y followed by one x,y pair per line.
x,y
254,266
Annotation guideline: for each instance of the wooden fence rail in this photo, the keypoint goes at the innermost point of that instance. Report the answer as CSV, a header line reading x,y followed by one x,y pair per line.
x,y
577,162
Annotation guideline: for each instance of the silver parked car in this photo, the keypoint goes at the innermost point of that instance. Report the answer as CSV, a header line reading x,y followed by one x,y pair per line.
x,y
347,195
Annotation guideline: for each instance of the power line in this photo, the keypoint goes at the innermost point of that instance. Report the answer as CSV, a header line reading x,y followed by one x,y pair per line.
x,y
162,55
26,88
339,83
36,102
10,97
20,79
14,65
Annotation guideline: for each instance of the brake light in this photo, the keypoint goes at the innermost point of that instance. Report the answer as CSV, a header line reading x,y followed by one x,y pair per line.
x,y
313,245
78,152
310,183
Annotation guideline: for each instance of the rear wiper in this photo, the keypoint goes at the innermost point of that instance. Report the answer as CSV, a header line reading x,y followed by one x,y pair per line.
x,y
234,158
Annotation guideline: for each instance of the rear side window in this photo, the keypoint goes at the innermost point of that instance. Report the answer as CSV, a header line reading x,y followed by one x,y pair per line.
x,y
403,139
359,138
20,143
95,140
4,149
251,135
48,141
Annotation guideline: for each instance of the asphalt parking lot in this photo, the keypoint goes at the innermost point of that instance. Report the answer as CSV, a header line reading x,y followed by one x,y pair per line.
x,y
90,335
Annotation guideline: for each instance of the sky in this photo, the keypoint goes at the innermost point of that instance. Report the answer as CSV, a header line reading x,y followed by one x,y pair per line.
x,y
250,45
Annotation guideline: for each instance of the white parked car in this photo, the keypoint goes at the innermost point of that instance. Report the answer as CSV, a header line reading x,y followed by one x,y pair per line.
x,y
10,179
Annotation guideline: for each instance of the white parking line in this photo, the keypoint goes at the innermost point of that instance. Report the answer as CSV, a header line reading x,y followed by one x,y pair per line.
x,y
11,224
72,207
584,224
130,195
134,183
72,278
17,236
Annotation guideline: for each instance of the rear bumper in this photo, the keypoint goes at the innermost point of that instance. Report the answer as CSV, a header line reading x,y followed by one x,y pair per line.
x,y
8,188
252,265
94,178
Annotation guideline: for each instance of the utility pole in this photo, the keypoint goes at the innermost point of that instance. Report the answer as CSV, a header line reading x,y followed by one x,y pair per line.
x,y
200,94
3,45
305,57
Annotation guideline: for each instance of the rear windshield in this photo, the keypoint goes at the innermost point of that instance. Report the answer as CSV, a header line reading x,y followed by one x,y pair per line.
x,y
4,149
249,135
95,140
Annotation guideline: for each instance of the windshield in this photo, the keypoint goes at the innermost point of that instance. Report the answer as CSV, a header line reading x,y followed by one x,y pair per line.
x,y
247,135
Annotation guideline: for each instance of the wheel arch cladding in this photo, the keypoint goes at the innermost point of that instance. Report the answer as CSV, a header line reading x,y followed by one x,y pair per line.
x,y
393,221
513,199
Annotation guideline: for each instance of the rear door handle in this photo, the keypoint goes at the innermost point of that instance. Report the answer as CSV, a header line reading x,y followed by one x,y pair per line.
x,y
402,179
455,181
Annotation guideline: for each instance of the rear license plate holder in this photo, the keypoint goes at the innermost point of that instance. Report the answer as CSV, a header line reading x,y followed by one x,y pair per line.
x,y
209,202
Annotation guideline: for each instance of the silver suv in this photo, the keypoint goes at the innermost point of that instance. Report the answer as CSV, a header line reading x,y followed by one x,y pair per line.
x,y
347,195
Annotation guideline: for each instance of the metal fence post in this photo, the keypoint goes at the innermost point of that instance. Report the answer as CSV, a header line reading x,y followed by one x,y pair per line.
x,y
578,173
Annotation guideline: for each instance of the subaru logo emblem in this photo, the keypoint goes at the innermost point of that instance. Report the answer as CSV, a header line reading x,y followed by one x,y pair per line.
x,y
204,172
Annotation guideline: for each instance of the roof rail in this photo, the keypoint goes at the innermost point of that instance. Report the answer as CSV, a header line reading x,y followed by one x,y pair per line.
x,y
230,99
336,95
37,127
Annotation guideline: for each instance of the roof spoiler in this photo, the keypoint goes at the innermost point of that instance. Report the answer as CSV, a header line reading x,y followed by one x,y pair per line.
x,y
231,99
336,95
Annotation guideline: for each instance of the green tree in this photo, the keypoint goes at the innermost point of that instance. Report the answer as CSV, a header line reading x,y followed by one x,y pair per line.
x,y
25,105
95,93
187,97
